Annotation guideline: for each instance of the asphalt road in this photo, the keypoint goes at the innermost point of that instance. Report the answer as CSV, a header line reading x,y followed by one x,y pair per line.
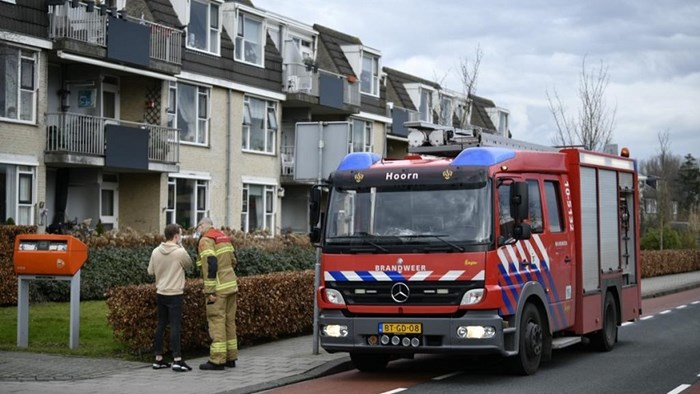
x,y
658,354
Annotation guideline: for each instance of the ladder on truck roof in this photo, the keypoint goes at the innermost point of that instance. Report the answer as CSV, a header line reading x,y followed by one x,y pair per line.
x,y
438,140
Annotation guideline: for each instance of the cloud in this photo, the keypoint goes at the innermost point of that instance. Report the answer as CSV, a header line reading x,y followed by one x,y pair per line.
x,y
650,49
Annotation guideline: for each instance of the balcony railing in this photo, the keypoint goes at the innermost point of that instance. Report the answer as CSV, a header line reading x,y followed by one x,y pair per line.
x,y
166,42
91,27
301,78
287,159
78,24
85,135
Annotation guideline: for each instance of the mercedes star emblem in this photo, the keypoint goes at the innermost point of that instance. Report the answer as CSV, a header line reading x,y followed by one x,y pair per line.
x,y
400,292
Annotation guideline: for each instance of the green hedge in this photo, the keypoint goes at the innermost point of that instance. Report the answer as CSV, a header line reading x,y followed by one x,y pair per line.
x,y
122,259
269,307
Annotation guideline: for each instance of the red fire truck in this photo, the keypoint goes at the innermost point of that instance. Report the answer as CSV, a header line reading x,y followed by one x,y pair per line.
x,y
495,250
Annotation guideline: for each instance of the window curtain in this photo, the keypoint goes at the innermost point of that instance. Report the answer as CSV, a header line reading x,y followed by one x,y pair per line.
x,y
186,112
257,126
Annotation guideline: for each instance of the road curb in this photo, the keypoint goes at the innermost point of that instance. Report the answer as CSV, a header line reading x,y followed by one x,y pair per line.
x,y
661,293
329,368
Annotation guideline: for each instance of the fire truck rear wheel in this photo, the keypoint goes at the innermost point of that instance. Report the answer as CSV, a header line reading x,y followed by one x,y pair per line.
x,y
605,339
369,362
531,342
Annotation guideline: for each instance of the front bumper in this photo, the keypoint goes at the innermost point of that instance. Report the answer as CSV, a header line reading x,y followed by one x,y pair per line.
x,y
439,334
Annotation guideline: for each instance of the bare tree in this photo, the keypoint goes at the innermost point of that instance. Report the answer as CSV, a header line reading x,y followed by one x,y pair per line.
x,y
663,167
469,75
594,125
462,105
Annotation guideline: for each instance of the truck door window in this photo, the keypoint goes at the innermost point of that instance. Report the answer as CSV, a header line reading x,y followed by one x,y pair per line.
x,y
505,221
535,206
554,217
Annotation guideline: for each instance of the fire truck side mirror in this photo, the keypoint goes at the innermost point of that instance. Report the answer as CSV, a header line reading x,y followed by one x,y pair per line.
x,y
519,204
315,235
314,206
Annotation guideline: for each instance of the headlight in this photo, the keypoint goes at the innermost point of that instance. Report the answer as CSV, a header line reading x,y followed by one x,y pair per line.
x,y
476,332
334,297
472,297
334,330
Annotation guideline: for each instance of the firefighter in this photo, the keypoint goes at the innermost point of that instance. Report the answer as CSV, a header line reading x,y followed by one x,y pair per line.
x,y
217,263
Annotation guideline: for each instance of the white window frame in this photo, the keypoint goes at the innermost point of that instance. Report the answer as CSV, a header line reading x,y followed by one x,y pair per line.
x,y
423,107
213,32
202,116
197,211
241,39
367,145
24,56
269,202
650,205
304,45
270,126
373,72
20,192
446,116
24,205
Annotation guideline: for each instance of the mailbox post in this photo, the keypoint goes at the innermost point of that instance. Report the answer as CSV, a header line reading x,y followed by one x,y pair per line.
x,y
48,257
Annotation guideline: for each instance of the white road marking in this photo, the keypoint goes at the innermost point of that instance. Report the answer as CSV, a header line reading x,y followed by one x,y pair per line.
x,y
695,302
681,306
679,389
627,323
449,375
665,312
646,317
398,390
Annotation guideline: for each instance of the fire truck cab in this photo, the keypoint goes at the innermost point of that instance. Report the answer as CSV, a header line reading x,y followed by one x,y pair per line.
x,y
493,251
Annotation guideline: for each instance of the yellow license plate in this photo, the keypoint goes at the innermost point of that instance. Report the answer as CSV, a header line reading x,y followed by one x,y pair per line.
x,y
400,328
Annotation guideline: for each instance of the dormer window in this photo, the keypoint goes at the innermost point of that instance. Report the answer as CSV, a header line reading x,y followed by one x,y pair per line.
x,y
426,105
204,29
249,40
445,110
369,77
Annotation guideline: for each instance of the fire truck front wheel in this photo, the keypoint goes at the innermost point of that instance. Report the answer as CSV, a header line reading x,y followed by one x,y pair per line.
x,y
531,342
369,362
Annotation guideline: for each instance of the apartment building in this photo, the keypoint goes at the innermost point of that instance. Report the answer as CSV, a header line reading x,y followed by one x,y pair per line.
x,y
139,113
417,103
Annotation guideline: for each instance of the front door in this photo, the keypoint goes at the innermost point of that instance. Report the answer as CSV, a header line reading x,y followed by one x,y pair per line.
x,y
110,98
109,201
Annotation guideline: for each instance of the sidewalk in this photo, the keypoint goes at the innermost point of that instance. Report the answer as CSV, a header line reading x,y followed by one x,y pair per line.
x,y
259,368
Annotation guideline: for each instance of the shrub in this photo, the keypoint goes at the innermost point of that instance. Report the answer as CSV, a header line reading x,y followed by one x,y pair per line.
x,y
651,240
269,307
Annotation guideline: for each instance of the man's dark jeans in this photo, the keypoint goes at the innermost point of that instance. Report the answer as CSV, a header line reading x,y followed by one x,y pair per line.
x,y
169,311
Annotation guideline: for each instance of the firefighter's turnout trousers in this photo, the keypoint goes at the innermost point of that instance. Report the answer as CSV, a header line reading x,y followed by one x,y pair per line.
x,y
221,316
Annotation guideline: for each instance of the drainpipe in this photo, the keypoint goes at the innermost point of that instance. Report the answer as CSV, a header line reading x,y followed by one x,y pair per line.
x,y
227,216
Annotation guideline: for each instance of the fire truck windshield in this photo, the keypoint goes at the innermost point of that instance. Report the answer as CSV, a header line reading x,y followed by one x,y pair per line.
x,y
447,215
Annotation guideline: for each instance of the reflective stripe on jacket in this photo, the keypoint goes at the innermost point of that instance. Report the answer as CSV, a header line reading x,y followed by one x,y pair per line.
x,y
217,262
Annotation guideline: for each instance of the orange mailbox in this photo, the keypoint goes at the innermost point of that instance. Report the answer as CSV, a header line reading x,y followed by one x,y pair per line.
x,y
48,254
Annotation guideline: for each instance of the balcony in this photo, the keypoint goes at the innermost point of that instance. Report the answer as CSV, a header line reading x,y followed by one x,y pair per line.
x,y
85,29
78,139
329,92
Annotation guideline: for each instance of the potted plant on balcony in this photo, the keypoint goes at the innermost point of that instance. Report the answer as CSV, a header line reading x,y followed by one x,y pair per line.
x,y
310,64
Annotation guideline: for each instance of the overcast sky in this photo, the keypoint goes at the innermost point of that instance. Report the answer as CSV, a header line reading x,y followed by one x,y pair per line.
x,y
651,49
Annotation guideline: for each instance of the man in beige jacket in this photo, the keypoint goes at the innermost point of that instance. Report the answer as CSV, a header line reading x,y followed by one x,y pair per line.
x,y
168,263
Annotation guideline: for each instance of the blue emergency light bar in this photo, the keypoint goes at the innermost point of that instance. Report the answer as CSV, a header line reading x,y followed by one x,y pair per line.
x,y
358,161
483,156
